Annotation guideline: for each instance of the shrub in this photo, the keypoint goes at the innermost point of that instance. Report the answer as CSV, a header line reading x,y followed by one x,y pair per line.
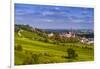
x,y
18,48
35,58
28,60
71,53
31,58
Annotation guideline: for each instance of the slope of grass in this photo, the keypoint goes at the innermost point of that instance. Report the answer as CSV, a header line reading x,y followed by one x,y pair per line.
x,y
48,52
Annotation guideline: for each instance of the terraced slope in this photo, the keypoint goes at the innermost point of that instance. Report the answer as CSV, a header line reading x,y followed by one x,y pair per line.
x,y
34,51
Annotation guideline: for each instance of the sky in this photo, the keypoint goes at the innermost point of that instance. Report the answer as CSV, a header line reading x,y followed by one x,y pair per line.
x,y
54,17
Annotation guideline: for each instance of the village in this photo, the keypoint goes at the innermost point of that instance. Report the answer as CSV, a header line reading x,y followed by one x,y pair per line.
x,y
83,40
65,35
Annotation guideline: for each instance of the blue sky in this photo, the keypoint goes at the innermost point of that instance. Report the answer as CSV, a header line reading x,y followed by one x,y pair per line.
x,y
54,17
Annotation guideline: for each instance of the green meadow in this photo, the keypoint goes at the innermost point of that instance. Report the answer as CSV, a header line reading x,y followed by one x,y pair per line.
x,y
32,47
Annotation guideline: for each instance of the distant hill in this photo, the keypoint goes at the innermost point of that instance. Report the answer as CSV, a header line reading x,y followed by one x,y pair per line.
x,y
24,27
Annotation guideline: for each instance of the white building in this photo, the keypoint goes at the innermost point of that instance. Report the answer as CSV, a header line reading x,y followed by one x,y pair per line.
x,y
50,35
86,41
68,35
90,42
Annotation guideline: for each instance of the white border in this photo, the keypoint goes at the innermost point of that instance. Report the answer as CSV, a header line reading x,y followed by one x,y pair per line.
x,y
74,3
12,35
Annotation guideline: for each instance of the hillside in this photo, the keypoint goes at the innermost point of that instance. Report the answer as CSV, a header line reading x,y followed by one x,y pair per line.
x,y
33,46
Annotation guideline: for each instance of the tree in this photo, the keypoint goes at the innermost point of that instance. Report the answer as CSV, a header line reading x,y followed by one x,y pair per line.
x,y
28,60
18,48
71,53
35,58
56,36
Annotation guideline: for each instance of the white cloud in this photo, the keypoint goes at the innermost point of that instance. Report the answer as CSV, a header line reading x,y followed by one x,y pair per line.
x,y
57,8
47,13
48,20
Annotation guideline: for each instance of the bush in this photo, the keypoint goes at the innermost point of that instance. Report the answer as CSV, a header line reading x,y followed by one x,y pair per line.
x,y
35,58
28,60
18,48
71,53
31,58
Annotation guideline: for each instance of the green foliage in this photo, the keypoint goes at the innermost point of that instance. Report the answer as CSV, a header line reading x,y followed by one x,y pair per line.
x,y
24,27
18,48
71,53
31,59
36,58
28,60
37,48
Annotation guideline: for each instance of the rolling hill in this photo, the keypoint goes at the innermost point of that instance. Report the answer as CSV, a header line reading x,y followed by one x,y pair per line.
x,y
34,47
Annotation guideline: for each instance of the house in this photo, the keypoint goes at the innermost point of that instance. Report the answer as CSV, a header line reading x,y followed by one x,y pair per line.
x,y
90,42
84,40
50,35
87,41
68,35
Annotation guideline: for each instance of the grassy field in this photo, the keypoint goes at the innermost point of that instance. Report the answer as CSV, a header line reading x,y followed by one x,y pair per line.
x,y
31,51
